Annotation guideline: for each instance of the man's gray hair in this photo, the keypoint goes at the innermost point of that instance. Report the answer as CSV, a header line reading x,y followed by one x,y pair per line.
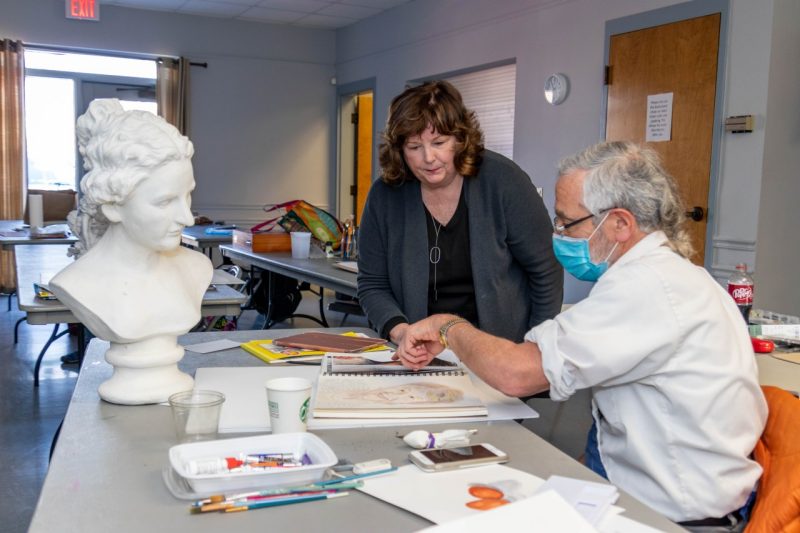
x,y
626,175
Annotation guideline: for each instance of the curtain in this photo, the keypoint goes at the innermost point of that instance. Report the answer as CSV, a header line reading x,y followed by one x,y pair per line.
x,y
12,161
172,92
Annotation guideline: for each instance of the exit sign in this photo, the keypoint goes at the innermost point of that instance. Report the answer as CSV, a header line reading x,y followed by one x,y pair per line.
x,y
83,9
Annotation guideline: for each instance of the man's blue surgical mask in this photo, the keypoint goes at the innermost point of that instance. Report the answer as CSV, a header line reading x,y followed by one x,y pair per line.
x,y
574,256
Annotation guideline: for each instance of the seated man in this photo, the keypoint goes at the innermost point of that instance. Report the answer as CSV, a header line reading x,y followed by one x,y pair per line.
x,y
676,400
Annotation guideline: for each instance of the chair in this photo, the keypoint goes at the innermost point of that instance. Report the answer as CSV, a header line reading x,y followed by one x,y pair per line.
x,y
777,506
56,205
347,305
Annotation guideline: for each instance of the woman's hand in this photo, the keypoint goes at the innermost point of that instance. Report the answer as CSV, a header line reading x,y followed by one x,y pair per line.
x,y
397,336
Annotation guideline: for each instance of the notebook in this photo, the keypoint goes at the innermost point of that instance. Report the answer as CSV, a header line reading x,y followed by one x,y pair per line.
x,y
395,392
350,266
329,342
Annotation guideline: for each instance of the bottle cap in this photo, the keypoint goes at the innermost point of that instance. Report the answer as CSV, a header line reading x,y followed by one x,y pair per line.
x,y
742,267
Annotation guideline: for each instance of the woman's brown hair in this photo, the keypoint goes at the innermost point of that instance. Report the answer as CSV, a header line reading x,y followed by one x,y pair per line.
x,y
437,104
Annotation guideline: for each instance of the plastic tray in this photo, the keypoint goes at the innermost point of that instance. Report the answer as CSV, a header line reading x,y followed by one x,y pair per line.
x,y
321,455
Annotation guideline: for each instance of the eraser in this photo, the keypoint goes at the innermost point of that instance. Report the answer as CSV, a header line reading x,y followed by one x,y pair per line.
x,y
367,467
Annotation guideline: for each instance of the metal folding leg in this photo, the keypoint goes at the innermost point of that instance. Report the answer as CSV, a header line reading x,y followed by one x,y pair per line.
x,y
55,335
16,329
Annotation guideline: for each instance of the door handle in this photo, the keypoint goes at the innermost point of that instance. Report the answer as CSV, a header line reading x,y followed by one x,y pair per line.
x,y
696,213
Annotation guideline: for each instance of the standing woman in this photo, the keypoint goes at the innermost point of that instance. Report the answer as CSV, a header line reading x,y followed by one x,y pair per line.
x,y
452,227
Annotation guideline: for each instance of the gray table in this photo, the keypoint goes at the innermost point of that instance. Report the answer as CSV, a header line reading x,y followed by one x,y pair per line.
x,y
12,233
105,474
33,263
196,237
320,272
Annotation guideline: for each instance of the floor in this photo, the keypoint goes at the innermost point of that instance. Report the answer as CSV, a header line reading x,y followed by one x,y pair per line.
x,y
29,417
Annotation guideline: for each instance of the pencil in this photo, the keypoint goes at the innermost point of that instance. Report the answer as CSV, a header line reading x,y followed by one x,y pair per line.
x,y
218,502
287,501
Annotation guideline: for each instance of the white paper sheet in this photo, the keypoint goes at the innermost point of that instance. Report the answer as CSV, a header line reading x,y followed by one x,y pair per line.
x,y
544,512
245,408
442,496
659,117
592,500
212,346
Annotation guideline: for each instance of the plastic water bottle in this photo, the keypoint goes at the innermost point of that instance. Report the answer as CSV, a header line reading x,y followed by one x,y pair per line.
x,y
740,287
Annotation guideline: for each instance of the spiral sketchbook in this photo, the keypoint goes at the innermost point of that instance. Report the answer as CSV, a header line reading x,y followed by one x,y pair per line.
x,y
378,391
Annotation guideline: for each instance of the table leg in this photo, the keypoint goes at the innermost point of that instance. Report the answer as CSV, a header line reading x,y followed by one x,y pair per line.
x,y
268,323
323,320
81,344
16,328
55,335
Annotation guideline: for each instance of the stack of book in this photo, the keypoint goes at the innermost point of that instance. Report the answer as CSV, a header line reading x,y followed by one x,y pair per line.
x,y
310,347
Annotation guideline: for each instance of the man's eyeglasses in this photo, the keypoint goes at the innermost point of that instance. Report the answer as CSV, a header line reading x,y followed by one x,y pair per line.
x,y
560,228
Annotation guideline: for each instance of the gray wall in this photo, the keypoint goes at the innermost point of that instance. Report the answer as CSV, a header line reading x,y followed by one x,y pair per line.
x,y
260,113
263,113
425,38
777,249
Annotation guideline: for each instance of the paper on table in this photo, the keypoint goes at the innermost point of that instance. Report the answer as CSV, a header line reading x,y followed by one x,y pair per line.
x,y
617,523
212,346
245,408
592,500
220,277
544,512
350,266
442,496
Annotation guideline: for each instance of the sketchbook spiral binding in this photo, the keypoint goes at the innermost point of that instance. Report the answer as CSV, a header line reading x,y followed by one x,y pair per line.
x,y
334,365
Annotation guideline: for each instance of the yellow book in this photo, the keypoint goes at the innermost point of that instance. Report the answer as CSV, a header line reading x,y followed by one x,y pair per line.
x,y
268,352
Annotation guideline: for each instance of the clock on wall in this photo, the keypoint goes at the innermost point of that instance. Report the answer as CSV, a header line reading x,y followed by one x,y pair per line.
x,y
556,88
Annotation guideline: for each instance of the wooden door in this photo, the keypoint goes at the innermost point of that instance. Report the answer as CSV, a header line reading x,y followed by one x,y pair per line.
x,y
678,58
363,151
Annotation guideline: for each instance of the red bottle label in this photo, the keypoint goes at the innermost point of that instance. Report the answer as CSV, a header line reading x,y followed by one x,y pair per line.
x,y
742,294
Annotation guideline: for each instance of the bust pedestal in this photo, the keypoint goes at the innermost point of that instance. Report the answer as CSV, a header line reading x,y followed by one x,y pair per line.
x,y
145,371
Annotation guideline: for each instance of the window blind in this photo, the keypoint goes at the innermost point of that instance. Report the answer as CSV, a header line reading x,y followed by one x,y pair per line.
x,y
490,93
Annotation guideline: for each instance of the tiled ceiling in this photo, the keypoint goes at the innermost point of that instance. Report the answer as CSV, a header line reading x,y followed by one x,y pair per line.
x,y
329,14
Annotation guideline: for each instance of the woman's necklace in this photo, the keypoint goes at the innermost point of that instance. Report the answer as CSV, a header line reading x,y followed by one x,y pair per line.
x,y
435,255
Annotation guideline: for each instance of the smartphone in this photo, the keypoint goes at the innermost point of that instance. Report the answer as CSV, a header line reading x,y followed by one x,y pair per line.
x,y
440,459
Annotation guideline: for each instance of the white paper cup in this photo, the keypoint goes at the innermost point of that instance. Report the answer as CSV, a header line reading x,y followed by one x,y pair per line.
x,y
196,414
301,244
289,402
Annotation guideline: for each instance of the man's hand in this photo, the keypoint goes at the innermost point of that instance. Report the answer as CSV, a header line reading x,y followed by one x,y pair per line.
x,y
421,342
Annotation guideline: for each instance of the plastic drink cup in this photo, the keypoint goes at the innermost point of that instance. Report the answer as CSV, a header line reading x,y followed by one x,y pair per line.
x,y
196,414
289,402
301,244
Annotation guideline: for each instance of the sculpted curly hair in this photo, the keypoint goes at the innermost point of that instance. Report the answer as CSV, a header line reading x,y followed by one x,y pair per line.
x,y
437,104
120,149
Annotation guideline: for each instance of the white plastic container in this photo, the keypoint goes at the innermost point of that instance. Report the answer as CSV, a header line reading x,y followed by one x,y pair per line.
x,y
321,455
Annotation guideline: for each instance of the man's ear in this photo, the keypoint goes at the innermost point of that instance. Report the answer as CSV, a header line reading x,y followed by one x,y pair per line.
x,y
623,224
111,212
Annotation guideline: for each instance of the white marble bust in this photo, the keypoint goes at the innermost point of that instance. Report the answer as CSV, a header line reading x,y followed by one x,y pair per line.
x,y
133,284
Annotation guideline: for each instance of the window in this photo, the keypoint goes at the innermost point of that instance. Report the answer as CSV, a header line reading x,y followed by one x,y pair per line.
x,y
58,89
490,93
50,132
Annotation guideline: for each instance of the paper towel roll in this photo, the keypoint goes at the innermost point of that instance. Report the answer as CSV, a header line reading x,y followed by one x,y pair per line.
x,y
35,210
